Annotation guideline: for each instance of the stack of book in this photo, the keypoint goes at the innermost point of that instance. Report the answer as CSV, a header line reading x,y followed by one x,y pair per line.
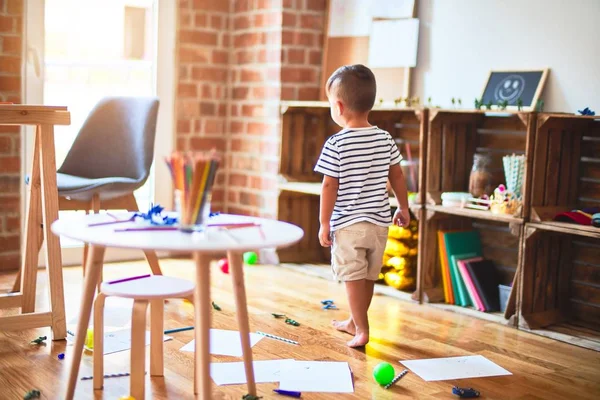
x,y
468,278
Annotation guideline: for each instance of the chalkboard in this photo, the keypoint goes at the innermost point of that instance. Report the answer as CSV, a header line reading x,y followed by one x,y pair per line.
x,y
511,85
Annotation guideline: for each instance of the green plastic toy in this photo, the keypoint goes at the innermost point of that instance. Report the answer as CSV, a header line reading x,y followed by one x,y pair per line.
x,y
383,373
250,258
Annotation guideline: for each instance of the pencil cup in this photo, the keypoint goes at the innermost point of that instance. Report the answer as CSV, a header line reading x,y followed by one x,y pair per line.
x,y
193,178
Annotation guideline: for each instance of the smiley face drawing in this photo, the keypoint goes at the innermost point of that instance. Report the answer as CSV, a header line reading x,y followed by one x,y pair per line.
x,y
510,88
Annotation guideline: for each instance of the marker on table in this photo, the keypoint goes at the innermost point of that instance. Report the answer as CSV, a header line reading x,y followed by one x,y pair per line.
x,y
288,393
175,330
133,278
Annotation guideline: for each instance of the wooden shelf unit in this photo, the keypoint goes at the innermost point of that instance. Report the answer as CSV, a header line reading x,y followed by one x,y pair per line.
x,y
454,137
305,128
560,283
553,266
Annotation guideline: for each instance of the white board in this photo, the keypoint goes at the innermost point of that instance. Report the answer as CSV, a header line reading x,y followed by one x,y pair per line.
x,y
349,18
392,8
393,43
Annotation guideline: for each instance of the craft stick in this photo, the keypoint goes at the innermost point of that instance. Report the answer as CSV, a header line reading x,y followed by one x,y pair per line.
x,y
234,225
277,338
148,228
396,379
133,278
175,330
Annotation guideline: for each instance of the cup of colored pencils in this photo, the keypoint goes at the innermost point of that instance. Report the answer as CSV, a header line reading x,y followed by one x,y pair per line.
x,y
193,178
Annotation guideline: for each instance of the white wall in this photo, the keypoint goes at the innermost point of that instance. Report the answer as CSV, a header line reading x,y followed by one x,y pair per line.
x,y
461,40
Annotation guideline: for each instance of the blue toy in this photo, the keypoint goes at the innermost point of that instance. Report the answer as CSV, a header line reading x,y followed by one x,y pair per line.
x,y
586,111
465,393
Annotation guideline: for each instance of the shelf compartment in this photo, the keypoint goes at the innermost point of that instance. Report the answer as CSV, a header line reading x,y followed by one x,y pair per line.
x,y
567,171
560,287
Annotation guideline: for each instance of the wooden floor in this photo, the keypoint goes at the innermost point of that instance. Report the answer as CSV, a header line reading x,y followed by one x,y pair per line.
x,y
542,368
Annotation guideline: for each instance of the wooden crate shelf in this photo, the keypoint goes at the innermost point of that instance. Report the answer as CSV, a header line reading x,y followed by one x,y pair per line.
x,y
560,286
567,171
454,137
553,267
305,128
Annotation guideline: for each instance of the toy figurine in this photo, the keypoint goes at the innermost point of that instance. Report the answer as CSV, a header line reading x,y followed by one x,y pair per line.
x,y
540,106
398,101
216,306
519,104
586,111
453,101
489,105
503,104
459,103
429,100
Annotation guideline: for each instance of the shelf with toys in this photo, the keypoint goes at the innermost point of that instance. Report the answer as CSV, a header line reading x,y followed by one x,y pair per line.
x,y
476,197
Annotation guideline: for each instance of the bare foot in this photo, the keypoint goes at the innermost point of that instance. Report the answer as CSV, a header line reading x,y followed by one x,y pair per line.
x,y
360,339
345,326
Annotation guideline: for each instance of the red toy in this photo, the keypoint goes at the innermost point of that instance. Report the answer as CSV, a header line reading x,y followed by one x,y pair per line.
x,y
223,265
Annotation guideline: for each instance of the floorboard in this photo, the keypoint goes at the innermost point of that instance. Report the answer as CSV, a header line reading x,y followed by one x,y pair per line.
x,y
542,368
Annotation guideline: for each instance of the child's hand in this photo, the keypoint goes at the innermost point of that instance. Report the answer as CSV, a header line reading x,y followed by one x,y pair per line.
x,y
325,235
402,217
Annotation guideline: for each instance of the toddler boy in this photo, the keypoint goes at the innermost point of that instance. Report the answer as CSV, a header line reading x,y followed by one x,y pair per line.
x,y
355,214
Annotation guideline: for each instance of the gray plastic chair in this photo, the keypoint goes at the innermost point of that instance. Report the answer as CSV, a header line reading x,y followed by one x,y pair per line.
x,y
110,158
113,151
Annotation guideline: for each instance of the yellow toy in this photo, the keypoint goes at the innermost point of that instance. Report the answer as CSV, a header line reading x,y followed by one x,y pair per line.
x,y
126,398
89,339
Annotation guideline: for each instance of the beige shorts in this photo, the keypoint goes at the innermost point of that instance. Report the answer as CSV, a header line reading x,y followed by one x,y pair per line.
x,y
357,251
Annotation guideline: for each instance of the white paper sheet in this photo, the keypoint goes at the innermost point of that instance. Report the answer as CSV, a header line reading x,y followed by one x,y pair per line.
x,y
118,340
441,369
225,342
316,376
233,373
349,18
393,43
392,8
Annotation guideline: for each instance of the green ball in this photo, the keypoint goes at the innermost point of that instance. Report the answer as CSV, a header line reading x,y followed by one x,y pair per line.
x,y
250,258
383,373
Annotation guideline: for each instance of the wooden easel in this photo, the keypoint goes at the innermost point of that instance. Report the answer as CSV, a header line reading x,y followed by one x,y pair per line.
x,y
42,212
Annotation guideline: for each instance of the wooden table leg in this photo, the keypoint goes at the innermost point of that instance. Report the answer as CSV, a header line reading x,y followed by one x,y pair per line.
x,y
137,387
33,238
236,266
94,266
50,214
202,322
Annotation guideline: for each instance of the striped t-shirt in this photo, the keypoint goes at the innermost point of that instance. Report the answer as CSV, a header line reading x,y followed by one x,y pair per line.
x,y
360,158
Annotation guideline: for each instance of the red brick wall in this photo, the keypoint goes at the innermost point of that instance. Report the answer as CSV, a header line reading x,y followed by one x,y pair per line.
x,y
202,92
11,27
231,80
254,107
302,49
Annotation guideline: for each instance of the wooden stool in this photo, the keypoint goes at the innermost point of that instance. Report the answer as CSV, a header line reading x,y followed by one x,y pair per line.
x,y
154,289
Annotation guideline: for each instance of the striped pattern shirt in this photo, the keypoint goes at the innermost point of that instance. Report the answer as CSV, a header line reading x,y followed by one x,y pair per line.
x,y
360,159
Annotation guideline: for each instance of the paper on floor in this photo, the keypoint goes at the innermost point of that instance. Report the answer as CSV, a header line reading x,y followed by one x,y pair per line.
x,y
316,376
118,340
225,342
441,369
233,373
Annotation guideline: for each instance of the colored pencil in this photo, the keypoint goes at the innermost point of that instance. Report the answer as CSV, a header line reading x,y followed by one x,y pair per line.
x,y
187,328
132,278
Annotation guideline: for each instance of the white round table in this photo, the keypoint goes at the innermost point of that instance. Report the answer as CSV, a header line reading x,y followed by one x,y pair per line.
x,y
204,246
